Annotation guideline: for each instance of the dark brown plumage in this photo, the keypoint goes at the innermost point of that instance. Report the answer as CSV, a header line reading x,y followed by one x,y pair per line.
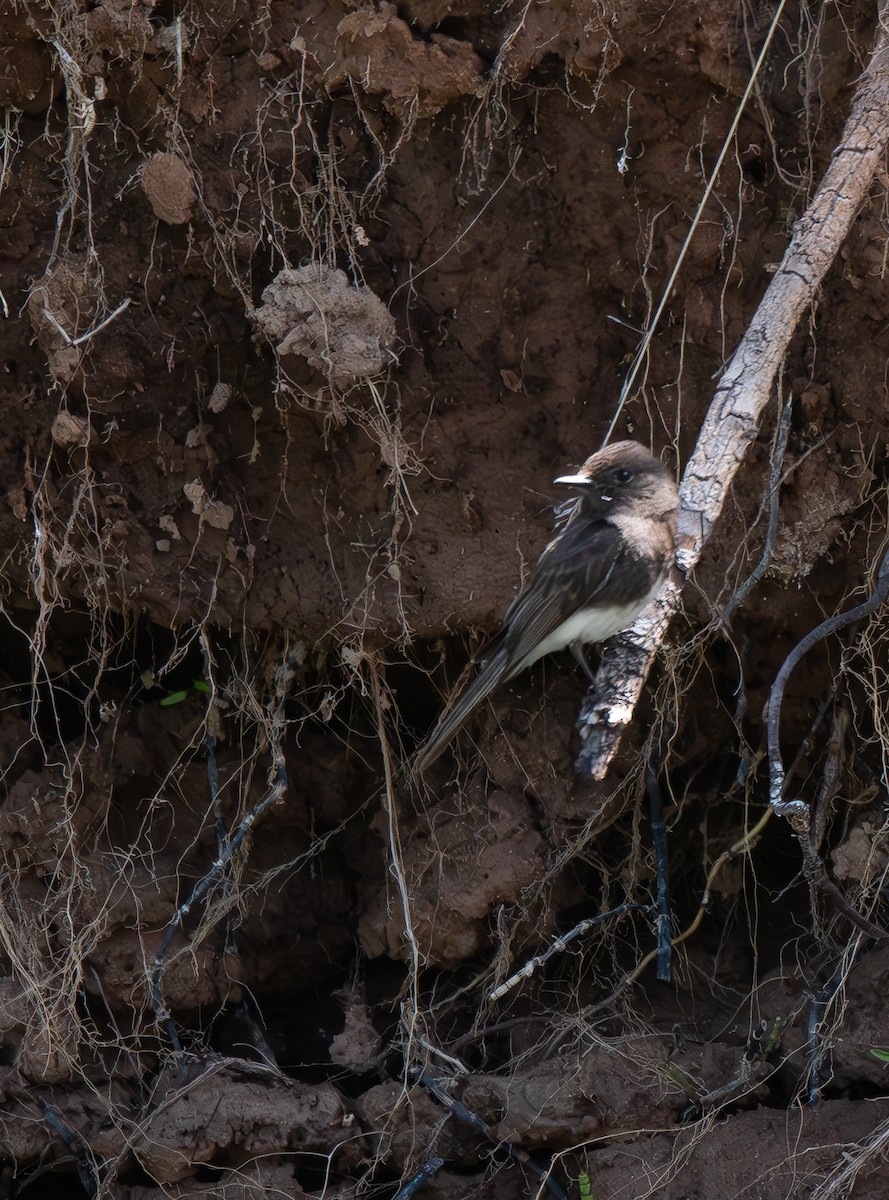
x,y
609,558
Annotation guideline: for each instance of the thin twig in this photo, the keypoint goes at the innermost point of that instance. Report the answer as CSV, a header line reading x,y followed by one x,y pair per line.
x,y
230,845
662,872
559,944
751,1073
830,776
85,337
258,1041
744,843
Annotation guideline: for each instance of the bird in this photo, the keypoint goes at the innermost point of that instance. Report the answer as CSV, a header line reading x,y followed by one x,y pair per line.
x,y
611,553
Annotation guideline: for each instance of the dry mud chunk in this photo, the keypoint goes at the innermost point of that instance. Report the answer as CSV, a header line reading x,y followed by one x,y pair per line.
x,y
861,856
215,512
26,74
813,513
169,185
398,1122
257,1180
341,329
238,1106
69,430
456,875
618,1085
122,965
825,1151
416,78
87,1111
68,304
41,1030
111,29
56,309
358,1046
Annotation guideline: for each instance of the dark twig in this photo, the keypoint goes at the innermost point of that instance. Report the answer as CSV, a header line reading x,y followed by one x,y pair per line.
x,y
776,696
86,1167
797,811
820,1002
211,725
454,1107
138,1075
461,1113
228,847
201,889
830,777
213,785
749,1075
257,1036
776,478
477,1035
662,868
429,1168
227,940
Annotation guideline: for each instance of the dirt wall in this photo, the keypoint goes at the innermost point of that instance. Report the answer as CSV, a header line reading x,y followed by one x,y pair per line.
x,y
305,305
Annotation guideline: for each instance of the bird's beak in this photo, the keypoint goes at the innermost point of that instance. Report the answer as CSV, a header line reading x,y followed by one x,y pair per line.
x,y
573,480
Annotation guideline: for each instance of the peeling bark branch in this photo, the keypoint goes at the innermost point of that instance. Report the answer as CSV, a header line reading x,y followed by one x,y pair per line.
x,y
733,418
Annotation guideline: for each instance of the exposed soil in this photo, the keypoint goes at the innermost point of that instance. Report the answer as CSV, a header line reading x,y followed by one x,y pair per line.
x,y
306,304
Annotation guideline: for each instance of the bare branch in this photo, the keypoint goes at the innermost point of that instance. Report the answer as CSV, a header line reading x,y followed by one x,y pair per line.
x,y
733,418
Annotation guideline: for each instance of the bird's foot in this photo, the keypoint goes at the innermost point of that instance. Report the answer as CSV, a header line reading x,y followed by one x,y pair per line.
x,y
576,649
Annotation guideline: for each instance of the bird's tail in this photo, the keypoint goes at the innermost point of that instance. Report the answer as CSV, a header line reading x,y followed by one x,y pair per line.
x,y
492,673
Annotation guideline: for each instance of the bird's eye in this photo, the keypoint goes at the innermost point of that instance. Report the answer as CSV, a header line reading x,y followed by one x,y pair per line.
x,y
624,475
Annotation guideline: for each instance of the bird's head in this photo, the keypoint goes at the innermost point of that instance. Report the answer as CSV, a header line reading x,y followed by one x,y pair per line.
x,y
624,475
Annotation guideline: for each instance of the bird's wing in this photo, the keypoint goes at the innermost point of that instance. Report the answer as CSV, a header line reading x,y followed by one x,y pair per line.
x,y
588,563
577,569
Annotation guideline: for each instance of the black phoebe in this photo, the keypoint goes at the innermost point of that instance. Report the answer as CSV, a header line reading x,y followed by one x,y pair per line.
x,y
610,557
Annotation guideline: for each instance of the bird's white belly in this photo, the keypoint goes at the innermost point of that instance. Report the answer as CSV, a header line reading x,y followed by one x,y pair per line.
x,y
591,625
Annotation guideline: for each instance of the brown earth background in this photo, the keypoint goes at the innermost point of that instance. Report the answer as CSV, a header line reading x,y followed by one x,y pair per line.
x,y
304,306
